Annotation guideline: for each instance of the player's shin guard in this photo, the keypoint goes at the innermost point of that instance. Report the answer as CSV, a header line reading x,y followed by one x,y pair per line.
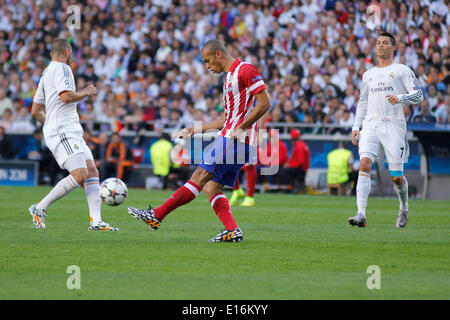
x,y
61,189
363,191
91,186
221,207
402,192
182,196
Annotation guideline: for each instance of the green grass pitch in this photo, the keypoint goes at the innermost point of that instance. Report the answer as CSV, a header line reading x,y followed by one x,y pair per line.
x,y
295,247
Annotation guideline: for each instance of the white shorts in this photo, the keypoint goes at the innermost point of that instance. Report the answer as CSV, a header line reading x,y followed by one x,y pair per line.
x,y
389,135
65,145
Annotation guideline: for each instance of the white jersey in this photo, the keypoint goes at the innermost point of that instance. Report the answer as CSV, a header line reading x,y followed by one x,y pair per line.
x,y
61,118
373,106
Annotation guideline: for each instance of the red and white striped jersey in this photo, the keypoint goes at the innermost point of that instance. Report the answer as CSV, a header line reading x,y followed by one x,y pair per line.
x,y
242,83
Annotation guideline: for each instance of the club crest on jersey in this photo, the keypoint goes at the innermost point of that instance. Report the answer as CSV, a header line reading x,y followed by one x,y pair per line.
x,y
75,146
256,79
226,90
391,75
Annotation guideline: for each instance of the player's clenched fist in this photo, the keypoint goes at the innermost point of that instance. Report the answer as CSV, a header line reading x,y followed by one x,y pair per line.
x,y
392,99
184,133
355,137
90,90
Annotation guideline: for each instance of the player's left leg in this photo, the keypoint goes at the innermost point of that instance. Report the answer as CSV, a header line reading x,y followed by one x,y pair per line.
x,y
396,149
401,188
185,194
221,206
78,174
91,188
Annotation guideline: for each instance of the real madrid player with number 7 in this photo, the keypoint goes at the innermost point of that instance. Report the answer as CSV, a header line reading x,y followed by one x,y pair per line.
x,y
385,89
55,105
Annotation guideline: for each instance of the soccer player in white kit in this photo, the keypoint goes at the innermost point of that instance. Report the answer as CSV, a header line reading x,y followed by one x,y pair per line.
x,y
385,89
55,105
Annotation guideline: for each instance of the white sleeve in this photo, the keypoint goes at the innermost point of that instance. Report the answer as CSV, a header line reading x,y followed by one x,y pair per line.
x,y
361,107
412,85
39,96
63,78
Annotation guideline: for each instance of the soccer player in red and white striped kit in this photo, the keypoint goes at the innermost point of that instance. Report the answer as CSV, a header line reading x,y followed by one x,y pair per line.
x,y
234,146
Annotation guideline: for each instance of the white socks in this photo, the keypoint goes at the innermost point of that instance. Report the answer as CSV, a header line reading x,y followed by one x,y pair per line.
x,y
91,186
402,192
62,188
66,185
363,191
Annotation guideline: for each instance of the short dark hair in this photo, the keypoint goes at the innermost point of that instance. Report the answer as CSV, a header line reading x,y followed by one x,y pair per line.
x,y
59,45
389,35
213,45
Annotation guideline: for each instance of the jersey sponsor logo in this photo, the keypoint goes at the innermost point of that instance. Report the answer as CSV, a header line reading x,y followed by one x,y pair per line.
x,y
381,88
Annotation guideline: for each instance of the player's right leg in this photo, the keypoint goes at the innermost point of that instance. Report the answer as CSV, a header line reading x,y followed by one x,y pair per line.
x,y
76,165
188,192
368,149
362,193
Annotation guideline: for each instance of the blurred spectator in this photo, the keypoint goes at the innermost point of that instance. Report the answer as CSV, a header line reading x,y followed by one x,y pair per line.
x,y
119,159
161,158
294,171
5,101
7,150
137,53
91,141
274,154
340,167
424,116
100,155
49,170
7,119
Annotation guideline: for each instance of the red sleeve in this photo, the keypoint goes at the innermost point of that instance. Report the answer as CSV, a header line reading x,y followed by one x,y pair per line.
x,y
283,153
250,78
307,158
296,157
300,157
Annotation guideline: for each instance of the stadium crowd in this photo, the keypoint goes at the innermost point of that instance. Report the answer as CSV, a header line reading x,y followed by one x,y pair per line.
x,y
144,57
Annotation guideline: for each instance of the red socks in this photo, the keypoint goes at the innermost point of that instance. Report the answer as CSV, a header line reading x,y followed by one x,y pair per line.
x,y
222,209
183,195
237,185
251,180
189,192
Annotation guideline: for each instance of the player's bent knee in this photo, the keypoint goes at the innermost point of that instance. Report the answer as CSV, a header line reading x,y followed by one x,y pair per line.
x,y
80,175
365,165
92,170
212,188
200,177
398,180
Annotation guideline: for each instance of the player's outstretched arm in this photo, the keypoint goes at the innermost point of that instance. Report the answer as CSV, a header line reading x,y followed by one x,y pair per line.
x,y
188,132
70,96
38,112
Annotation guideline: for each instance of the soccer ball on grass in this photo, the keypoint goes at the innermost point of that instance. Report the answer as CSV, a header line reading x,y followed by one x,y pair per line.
x,y
113,191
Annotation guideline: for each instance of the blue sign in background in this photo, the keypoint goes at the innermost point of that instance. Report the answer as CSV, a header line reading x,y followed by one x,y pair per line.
x,y
18,173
